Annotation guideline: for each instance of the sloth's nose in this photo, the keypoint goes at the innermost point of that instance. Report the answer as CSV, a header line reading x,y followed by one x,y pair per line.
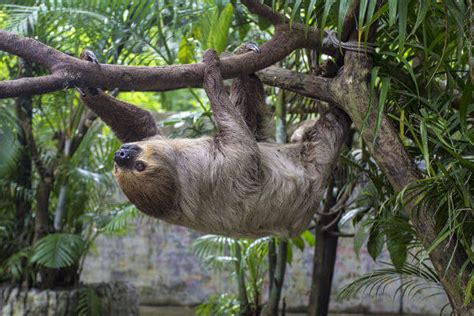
x,y
125,156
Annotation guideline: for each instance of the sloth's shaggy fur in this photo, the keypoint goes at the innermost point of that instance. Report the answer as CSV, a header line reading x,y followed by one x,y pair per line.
x,y
230,184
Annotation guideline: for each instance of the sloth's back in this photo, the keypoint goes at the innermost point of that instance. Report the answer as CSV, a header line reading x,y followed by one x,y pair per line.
x,y
238,192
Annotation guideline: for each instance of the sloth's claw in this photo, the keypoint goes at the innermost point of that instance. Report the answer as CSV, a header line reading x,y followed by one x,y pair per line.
x,y
89,55
253,47
247,47
81,92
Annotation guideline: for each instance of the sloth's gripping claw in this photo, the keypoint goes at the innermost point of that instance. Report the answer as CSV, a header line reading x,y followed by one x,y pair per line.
x,y
88,55
252,47
247,47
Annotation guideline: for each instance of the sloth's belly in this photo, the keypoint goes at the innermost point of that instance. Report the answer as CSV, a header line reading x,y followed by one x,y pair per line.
x,y
282,202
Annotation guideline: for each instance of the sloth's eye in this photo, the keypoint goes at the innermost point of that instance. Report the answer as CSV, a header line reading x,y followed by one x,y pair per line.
x,y
140,166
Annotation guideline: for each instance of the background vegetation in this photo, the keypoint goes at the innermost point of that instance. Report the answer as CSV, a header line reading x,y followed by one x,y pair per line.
x,y
52,143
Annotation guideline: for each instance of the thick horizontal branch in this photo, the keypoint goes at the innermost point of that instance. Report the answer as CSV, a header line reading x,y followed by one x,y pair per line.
x,y
304,84
68,72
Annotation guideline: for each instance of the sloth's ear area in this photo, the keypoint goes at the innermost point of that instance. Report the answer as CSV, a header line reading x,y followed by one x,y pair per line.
x,y
128,122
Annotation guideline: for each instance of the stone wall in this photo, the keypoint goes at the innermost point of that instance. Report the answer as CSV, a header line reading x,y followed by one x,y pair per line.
x,y
155,257
116,298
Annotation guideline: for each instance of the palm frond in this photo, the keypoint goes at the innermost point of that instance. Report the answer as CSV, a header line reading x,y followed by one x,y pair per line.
x,y
58,250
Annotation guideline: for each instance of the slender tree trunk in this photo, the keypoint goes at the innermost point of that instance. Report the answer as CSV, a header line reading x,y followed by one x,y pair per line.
x,y
324,259
24,115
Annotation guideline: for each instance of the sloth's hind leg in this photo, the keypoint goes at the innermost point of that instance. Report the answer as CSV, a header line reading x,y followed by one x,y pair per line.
x,y
248,96
323,141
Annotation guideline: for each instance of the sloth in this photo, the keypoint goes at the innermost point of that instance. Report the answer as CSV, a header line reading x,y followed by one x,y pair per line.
x,y
235,183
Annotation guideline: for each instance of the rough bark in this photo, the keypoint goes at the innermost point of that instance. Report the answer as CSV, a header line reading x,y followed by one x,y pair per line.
x,y
352,92
24,115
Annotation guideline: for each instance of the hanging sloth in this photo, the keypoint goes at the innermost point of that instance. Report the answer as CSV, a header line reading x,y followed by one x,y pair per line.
x,y
234,183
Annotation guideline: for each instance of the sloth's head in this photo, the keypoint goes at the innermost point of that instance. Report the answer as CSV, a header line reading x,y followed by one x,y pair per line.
x,y
147,175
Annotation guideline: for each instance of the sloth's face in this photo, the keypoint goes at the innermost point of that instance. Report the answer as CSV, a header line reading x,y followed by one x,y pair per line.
x,y
147,175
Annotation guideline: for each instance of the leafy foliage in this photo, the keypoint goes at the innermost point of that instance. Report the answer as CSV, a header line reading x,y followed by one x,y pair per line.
x,y
421,75
58,250
89,303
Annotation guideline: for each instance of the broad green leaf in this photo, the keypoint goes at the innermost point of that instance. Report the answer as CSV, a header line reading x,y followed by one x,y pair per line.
x,y
397,249
58,250
375,242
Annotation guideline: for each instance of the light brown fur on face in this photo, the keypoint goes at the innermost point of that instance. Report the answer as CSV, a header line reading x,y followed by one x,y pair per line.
x,y
154,190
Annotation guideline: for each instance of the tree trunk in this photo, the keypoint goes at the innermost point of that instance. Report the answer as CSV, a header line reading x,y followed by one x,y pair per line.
x,y
353,94
324,259
24,115
43,192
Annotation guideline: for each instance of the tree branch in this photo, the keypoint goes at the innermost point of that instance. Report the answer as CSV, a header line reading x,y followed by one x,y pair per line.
x,y
304,84
68,72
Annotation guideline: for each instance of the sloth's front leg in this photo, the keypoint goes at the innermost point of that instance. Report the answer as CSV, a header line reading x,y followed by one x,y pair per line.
x,y
230,123
128,122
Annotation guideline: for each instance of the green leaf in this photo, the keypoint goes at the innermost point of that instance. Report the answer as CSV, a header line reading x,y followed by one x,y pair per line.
x,y
360,238
397,249
296,9
466,101
392,11
375,242
220,29
185,51
89,303
309,11
362,9
425,149
382,100
402,23
298,242
58,250
327,7
308,237
421,14
289,254
343,8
